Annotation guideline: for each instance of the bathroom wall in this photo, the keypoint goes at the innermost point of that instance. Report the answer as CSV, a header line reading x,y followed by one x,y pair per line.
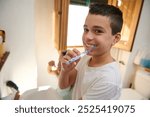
x,y
17,19
29,38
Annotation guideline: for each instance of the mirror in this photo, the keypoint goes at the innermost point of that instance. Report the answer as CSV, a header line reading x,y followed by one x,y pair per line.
x,y
131,13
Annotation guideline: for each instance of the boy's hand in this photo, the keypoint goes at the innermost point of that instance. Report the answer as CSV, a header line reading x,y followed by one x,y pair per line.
x,y
70,54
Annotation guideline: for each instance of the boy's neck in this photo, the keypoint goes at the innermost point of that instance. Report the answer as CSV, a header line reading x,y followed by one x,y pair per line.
x,y
97,61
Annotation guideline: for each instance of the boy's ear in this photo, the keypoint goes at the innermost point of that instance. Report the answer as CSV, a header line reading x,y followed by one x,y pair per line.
x,y
117,38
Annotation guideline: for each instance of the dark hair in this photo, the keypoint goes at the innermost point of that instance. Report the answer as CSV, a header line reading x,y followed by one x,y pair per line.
x,y
112,12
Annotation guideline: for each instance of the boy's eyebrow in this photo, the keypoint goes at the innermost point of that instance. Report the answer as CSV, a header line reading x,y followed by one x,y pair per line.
x,y
95,27
84,25
98,27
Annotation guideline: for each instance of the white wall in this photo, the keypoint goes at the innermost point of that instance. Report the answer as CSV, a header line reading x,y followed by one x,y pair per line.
x,y
29,38
17,19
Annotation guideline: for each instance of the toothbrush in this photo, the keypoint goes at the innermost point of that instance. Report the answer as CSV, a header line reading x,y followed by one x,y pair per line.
x,y
81,55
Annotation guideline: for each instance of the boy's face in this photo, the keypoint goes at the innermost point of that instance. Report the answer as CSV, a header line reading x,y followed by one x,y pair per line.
x,y
97,31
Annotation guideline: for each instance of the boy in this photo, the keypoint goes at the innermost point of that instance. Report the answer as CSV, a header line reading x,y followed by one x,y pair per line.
x,y
96,75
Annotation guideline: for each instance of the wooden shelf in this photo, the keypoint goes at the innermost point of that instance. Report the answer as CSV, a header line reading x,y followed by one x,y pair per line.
x,y
142,68
3,59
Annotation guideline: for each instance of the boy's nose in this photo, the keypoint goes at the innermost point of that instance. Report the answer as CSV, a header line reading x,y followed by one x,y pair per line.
x,y
90,36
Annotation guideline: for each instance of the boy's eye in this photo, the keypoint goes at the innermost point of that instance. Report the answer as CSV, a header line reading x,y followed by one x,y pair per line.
x,y
97,31
86,30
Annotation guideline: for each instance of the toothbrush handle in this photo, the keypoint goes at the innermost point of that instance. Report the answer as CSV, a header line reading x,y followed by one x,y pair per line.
x,y
77,57
73,59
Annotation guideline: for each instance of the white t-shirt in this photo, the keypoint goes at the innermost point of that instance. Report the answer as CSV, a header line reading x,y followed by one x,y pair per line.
x,y
97,83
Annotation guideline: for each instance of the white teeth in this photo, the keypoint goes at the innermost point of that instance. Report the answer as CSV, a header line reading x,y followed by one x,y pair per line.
x,y
89,45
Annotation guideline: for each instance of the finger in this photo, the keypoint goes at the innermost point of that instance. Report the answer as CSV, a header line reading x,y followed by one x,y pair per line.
x,y
67,57
63,53
71,53
77,52
66,67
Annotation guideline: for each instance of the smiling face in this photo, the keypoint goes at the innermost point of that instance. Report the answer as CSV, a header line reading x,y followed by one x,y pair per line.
x,y
97,31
